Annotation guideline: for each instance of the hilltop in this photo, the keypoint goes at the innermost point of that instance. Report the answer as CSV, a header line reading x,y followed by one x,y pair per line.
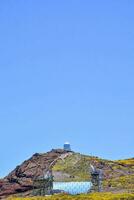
x,y
118,175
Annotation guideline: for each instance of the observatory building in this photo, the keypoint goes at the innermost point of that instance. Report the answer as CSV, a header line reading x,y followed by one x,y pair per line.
x,y
67,146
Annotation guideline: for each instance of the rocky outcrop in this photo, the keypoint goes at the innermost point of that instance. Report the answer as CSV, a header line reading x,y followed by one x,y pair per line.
x,y
21,179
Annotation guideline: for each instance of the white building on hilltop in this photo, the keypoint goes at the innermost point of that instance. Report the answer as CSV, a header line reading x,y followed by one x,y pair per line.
x,y
67,146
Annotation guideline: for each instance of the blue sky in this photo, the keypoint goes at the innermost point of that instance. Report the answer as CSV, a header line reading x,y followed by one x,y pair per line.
x,y
66,73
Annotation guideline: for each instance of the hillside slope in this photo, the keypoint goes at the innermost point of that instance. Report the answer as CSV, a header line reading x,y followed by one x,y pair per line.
x,y
118,175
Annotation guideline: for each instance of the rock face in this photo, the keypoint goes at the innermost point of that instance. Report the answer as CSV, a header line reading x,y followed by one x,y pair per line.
x,y
21,179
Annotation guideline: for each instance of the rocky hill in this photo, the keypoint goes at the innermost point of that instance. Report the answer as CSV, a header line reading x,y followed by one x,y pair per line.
x,y
118,175
20,180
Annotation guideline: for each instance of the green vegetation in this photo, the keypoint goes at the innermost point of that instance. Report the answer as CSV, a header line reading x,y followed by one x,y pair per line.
x,y
76,166
117,175
125,183
94,196
124,178
127,162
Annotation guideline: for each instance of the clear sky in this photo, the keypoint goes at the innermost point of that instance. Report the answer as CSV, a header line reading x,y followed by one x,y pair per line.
x,y
66,73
